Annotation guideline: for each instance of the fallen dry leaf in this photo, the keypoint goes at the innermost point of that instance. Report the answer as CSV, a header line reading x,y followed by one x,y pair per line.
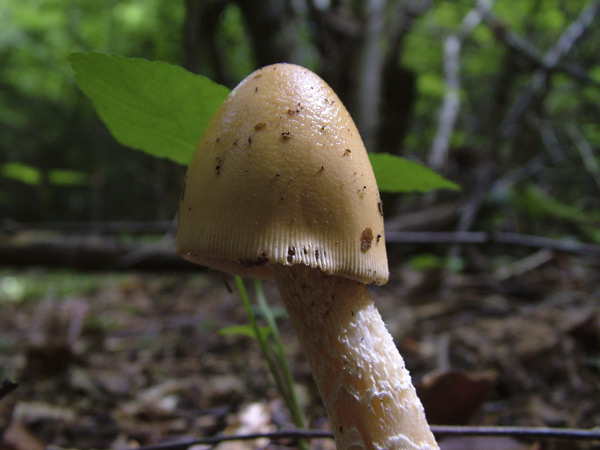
x,y
452,397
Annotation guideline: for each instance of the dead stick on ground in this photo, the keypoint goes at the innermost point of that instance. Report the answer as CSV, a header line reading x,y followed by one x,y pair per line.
x,y
440,431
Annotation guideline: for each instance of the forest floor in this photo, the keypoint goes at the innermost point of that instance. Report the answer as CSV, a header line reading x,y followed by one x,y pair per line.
x,y
121,361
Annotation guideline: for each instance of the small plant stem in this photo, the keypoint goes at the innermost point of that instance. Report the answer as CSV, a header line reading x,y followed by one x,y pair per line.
x,y
296,408
287,393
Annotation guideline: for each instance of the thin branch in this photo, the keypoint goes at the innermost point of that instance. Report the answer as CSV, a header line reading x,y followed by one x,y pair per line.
x,y
482,237
520,432
274,436
451,103
550,139
89,253
532,167
94,253
371,62
535,56
508,128
92,227
575,31
586,152
551,60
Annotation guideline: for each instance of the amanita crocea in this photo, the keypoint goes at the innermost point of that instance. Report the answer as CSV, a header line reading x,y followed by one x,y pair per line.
x,y
281,187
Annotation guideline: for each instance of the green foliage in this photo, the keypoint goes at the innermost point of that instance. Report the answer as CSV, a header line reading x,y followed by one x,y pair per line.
x,y
234,44
45,124
33,176
24,286
12,289
156,107
431,85
65,177
429,261
538,203
592,133
272,350
395,174
163,109
21,172
426,261
246,330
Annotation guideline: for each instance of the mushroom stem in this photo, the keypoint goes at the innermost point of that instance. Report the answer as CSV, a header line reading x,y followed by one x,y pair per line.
x,y
361,377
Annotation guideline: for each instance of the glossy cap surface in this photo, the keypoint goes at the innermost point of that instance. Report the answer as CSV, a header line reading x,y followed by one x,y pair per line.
x,y
281,176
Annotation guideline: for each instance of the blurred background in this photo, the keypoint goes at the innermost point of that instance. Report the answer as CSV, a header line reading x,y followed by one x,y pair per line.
x,y
501,97
500,94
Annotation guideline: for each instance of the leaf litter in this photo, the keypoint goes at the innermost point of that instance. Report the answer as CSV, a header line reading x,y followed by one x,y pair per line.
x,y
138,360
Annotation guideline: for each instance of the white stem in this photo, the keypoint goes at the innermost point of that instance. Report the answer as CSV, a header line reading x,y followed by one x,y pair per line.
x,y
361,377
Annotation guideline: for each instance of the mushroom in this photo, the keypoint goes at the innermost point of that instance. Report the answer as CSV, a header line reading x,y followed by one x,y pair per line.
x,y
280,187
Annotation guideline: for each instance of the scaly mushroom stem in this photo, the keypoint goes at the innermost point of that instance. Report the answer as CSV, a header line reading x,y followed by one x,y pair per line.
x,y
361,377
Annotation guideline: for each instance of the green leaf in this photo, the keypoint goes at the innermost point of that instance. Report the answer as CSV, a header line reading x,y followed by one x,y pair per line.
x,y
65,177
541,204
425,261
156,107
21,172
244,330
395,174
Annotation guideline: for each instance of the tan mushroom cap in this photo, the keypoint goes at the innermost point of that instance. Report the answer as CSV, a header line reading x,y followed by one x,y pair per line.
x,y
281,176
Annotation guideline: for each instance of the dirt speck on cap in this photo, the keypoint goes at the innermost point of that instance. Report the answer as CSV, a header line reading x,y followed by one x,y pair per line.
x,y
366,238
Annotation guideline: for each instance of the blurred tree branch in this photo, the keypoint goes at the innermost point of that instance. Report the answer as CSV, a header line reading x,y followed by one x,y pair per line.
x,y
48,249
526,49
549,63
451,103
83,252
399,85
586,152
507,129
199,38
272,27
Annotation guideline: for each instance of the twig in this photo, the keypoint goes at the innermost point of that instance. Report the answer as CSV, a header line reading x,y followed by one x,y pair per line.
x,y
586,152
551,60
482,237
108,227
551,142
7,387
575,31
274,436
88,253
507,129
532,167
524,48
524,265
439,431
109,254
451,103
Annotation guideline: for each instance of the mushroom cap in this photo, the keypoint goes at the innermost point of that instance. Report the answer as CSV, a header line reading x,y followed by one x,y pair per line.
x,y
281,176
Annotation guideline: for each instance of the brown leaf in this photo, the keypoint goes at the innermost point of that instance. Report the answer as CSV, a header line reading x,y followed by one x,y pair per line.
x,y
452,397
17,437
584,325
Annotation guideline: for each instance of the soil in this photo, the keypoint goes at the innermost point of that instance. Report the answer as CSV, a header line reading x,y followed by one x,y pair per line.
x,y
121,361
